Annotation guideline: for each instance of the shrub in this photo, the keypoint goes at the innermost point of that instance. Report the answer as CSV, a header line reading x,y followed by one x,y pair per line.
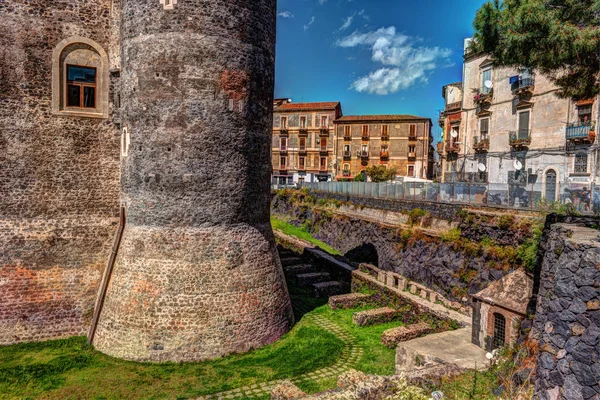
x,y
415,215
506,221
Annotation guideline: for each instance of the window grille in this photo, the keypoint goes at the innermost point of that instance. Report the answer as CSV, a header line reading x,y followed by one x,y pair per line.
x,y
581,162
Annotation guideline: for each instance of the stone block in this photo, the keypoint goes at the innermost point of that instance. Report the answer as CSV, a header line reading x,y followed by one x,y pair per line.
x,y
286,391
391,337
402,284
413,288
350,300
293,270
423,293
376,316
287,261
381,276
305,280
332,288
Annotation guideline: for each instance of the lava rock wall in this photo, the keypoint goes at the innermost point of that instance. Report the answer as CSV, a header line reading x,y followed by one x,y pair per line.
x,y
567,315
59,175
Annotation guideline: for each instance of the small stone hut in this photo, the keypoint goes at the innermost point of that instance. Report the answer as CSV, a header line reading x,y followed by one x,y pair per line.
x,y
499,309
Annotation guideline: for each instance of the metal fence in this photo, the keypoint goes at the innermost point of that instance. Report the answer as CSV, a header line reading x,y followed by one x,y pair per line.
x,y
582,198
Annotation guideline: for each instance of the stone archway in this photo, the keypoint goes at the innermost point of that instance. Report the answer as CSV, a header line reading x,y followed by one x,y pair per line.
x,y
365,253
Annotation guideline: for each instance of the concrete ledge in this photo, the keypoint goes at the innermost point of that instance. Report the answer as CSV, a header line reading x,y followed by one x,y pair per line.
x,y
391,337
350,300
376,316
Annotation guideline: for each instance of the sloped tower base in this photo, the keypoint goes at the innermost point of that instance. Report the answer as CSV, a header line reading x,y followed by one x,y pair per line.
x,y
193,294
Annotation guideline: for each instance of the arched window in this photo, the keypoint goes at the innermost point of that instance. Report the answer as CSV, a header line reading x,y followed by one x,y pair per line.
x,y
80,78
499,330
550,192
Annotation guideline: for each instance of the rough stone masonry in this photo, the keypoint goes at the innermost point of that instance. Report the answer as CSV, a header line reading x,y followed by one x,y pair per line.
x,y
190,94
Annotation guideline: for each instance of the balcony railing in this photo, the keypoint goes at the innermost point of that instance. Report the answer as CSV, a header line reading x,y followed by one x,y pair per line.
x,y
584,132
412,136
283,149
412,155
481,143
384,154
452,148
365,136
303,131
284,131
324,130
302,149
346,173
347,137
363,154
523,84
520,138
347,154
454,106
483,96
385,136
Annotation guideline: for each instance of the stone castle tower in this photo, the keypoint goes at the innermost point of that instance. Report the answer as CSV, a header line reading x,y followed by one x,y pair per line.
x,y
186,89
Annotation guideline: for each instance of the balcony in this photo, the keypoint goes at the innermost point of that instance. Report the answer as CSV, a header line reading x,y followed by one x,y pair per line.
x,y
483,96
324,131
324,151
523,85
385,136
346,172
384,155
284,131
347,137
481,143
365,136
412,137
283,149
452,148
363,154
302,150
303,131
520,139
412,156
347,155
283,170
582,133
453,106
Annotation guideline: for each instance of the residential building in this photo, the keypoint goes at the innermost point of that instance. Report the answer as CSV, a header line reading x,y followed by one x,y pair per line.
x,y
403,142
514,133
303,141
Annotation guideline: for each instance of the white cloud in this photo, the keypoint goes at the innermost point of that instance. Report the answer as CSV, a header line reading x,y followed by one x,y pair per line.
x,y
405,62
346,23
286,14
312,21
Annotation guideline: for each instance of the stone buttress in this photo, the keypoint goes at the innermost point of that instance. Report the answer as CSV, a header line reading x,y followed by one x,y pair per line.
x,y
197,275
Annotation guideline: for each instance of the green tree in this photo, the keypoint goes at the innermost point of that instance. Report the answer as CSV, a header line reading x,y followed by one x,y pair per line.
x,y
379,173
559,38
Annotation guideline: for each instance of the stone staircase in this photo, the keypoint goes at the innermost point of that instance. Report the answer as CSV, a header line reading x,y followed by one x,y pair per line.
x,y
306,275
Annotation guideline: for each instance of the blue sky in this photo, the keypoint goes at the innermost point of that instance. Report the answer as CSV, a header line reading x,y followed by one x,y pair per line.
x,y
375,56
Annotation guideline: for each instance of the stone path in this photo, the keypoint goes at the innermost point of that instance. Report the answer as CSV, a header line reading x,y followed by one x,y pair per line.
x,y
350,355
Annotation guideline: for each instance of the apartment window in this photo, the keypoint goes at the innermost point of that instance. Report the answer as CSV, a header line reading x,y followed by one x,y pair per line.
x,y
302,143
365,148
346,149
411,149
524,124
413,131
484,127
302,122
301,161
411,170
346,168
323,144
347,130
584,114
486,76
324,121
283,162
384,148
283,144
283,122
581,163
81,86
384,130
365,130
323,163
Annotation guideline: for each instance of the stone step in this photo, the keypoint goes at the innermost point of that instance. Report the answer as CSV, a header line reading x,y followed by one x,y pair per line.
x,y
287,261
376,316
391,337
331,288
294,270
349,300
305,280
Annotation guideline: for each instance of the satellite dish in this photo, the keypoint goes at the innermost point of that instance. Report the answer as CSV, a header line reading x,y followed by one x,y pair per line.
x,y
481,167
518,165
488,84
454,134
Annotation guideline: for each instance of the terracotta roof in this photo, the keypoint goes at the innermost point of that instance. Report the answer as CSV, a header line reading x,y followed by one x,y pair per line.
x,y
308,106
354,118
512,292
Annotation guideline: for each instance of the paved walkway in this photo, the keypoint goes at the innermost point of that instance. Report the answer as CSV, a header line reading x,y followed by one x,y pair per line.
x,y
350,356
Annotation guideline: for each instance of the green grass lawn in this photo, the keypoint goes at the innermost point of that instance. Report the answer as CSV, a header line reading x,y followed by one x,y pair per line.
x,y
70,369
300,233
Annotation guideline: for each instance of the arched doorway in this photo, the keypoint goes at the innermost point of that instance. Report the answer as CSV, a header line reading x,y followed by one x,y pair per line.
x,y
499,331
366,253
550,192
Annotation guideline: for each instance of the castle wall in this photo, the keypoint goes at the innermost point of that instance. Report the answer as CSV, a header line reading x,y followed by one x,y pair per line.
x,y
197,275
59,175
